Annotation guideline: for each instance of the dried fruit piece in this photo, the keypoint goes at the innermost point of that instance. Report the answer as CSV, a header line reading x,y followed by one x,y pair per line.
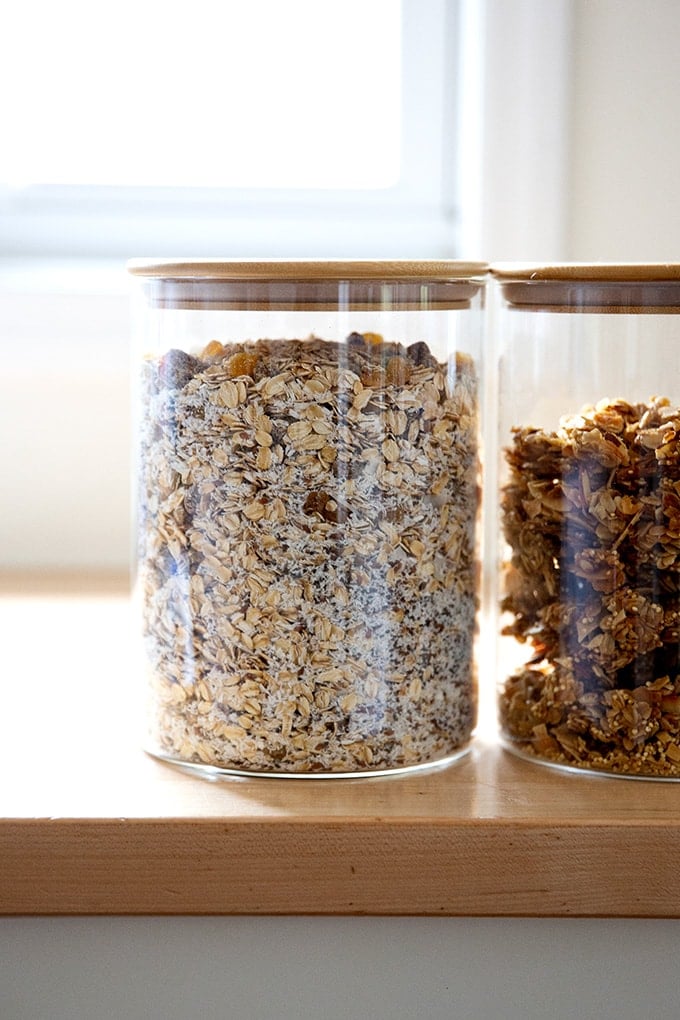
x,y
419,353
316,502
242,363
213,350
319,502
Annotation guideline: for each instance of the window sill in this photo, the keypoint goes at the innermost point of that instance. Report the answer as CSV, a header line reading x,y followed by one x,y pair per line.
x,y
91,825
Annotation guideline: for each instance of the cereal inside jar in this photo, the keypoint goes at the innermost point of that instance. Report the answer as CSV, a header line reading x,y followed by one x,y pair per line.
x,y
308,515
590,517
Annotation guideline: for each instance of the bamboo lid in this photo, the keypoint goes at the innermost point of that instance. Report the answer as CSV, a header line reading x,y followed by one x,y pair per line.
x,y
623,287
299,284
306,269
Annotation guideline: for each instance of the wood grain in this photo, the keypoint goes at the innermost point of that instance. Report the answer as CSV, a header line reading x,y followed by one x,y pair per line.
x,y
91,824
234,866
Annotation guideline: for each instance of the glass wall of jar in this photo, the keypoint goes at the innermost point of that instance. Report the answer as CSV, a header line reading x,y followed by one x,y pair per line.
x,y
307,513
589,477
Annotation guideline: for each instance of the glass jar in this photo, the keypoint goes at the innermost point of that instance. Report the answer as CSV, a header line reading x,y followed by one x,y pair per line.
x,y
589,476
308,497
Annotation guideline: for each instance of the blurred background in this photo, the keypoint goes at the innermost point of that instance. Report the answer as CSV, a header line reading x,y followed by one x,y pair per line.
x,y
493,129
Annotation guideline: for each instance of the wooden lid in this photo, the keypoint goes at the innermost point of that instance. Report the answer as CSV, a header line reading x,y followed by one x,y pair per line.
x,y
306,269
302,284
614,287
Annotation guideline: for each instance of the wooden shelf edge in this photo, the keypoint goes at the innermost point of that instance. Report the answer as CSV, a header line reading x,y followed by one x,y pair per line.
x,y
64,583
491,835
223,866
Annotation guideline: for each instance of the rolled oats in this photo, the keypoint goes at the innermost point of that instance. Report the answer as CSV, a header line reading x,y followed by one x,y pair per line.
x,y
307,554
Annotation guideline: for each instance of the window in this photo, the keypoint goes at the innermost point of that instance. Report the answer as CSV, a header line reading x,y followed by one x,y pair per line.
x,y
303,128
442,134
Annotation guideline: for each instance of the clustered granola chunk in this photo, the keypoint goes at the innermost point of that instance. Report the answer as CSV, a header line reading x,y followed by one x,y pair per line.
x,y
307,558
591,513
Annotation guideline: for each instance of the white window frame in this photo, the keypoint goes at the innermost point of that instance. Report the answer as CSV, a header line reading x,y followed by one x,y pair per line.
x,y
417,217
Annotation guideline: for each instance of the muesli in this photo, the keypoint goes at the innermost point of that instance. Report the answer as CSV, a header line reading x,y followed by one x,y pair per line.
x,y
307,559
591,513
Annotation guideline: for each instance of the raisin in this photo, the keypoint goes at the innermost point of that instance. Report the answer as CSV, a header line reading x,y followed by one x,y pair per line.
x,y
213,350
319,502
315,502
242,363
420,354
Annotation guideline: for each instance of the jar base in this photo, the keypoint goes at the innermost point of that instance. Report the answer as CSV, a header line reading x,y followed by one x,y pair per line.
x,y
580,770
215,773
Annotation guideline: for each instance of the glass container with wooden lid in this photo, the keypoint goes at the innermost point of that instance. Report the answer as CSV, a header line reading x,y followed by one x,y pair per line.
x,y
308,504
589,482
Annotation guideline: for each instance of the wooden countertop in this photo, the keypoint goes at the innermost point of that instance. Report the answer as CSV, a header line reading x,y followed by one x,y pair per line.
x,y
89,824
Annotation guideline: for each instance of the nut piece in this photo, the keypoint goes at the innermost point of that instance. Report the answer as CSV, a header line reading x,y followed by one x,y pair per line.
x,y
397,371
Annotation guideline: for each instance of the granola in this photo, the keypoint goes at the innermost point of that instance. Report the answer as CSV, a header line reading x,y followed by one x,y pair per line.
x,y
591,513
307,559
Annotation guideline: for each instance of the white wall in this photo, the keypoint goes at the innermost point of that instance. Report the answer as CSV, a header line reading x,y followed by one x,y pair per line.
x,y
624,148
64,419
336,969
516,157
